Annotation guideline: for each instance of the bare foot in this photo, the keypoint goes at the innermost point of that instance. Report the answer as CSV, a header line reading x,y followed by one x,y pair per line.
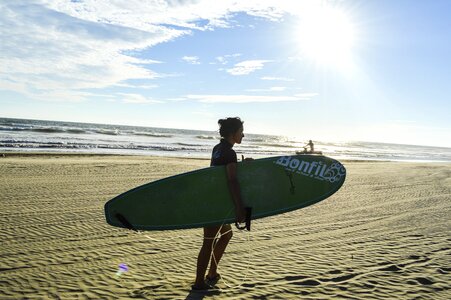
x,y
212,280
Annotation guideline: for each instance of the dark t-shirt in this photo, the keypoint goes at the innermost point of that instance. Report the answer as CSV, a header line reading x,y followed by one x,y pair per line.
x,y
223,154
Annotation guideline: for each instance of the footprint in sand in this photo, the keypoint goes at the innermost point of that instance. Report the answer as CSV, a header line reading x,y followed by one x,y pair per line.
x,y
392,268
144,291
343,278
295,280
309,282
424,281
444,270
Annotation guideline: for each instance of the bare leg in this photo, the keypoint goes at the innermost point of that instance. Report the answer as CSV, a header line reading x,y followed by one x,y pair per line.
x,y
219,248
204,255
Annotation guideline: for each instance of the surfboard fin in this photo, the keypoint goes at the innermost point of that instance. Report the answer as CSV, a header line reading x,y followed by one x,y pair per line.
x,y
248,220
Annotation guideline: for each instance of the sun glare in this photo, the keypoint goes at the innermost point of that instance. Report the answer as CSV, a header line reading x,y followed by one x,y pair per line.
x,y
326,35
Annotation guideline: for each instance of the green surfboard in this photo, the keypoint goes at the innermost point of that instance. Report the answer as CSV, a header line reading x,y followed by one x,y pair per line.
x,y
201,198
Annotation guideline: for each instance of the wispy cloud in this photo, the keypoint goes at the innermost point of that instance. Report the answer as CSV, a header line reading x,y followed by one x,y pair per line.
x,y
137,99
67,53
271,89
306,95
246,67
277,78
55,94
76,45
194,60
248,98
145,15
137,86
224,59
204,114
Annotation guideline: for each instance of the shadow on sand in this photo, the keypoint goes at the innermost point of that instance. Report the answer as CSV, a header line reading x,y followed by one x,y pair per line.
x,y
199,295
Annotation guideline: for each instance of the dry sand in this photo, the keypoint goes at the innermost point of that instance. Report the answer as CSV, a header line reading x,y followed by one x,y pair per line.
x,y
384,235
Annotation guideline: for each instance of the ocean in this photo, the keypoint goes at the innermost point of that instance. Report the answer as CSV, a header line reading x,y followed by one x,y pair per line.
x,y
20,135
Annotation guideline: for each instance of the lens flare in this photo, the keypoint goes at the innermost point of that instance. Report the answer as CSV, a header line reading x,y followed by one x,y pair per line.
x,y
122,269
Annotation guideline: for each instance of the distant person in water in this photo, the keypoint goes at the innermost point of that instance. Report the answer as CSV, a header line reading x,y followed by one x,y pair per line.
x,y
309,144
231,131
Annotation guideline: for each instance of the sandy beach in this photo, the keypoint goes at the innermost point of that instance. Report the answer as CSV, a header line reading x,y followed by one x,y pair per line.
x,y
384,235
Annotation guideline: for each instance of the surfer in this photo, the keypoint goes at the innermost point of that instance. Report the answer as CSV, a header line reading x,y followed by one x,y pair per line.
x,y
312,147
309,151
231,131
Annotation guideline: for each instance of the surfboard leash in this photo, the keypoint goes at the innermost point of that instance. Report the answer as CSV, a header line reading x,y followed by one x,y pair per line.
x,y
212,256
246,273
127,224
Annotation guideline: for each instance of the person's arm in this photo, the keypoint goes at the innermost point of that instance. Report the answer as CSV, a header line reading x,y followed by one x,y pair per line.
x,y
234,188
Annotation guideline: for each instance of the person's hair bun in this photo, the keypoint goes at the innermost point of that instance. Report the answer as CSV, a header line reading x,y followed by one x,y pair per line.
x,y
229,126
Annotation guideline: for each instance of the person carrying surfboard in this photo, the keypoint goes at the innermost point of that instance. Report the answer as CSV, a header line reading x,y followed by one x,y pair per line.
x,y
231,131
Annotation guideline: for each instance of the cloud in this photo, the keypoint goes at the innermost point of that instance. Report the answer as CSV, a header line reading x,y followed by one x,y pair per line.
x,y
137,99
204,114
194,60
137,86
246,67
44,50
144,15
49,46
306,95
248,98
224,59
277,78
271,89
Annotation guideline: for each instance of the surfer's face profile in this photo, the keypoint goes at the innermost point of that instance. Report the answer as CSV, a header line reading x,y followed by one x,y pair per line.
x,y
238,135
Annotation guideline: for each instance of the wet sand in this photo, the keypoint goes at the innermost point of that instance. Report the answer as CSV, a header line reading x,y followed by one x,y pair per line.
x,y
384,235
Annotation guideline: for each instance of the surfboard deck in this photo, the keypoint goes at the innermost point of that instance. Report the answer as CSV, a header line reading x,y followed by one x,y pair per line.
x,y
201,198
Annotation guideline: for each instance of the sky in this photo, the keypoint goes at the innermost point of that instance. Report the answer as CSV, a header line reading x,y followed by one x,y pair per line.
x,y
373,70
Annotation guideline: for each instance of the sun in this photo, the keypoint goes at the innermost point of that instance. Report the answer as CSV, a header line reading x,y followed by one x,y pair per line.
x,y
326,35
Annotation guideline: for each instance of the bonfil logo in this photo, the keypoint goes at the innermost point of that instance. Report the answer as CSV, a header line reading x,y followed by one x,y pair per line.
x,y
315,169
